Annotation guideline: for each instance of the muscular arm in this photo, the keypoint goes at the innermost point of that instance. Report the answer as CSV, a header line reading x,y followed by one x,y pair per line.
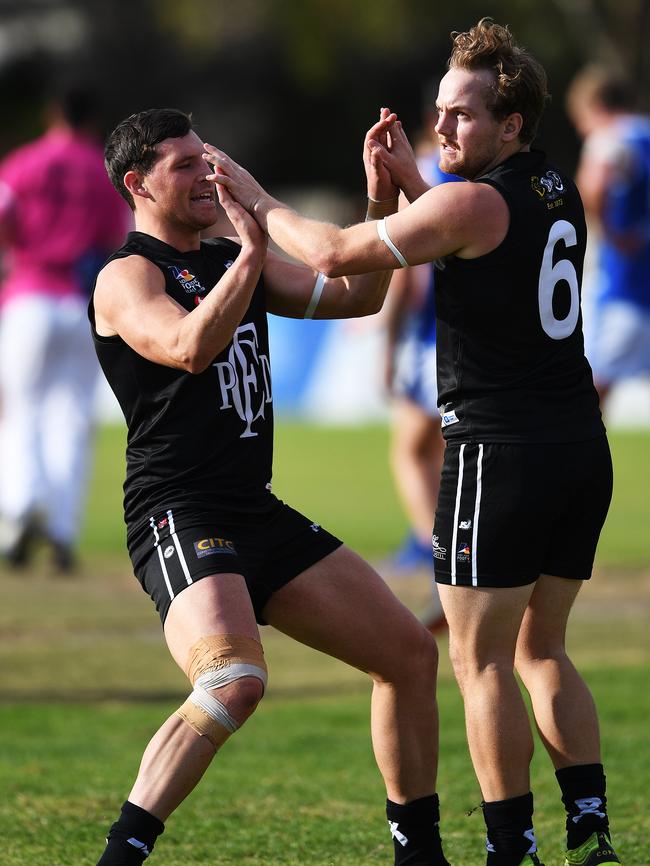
x,y
130,300
289,289
465,219
468,220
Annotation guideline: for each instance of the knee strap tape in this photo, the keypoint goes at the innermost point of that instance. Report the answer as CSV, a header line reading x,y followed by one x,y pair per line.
x,y
214,662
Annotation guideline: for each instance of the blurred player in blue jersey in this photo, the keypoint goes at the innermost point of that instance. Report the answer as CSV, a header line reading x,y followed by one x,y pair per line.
x,y
614,182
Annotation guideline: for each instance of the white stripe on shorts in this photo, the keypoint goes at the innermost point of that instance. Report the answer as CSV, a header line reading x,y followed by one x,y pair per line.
x,y
164,570
477,511
179,549
454,537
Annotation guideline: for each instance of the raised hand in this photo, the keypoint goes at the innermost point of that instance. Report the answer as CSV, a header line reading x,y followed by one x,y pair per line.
x,y
246,226
242,186
399,160
378,140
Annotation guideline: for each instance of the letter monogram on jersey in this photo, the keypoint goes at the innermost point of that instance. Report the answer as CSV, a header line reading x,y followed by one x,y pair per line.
x,y
205,432
244,378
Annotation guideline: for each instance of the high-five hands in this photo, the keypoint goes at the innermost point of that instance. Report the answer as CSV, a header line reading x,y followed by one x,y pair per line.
x,y
378,141
387,143
242,220
241,185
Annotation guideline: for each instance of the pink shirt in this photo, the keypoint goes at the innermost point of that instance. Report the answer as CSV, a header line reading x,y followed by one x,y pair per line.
x,y
59,216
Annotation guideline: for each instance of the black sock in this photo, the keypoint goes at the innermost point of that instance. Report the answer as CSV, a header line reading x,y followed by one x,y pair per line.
x,y
415,832
131,838
583,795
510,834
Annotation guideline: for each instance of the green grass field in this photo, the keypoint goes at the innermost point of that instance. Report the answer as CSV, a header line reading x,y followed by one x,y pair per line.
x,y
85,680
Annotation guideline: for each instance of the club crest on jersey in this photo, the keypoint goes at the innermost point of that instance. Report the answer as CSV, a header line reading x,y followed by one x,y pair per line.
x,y
245,379
188,281
549,188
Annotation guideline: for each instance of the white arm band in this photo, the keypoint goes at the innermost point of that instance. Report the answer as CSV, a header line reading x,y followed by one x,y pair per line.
x,y
382,231
315,296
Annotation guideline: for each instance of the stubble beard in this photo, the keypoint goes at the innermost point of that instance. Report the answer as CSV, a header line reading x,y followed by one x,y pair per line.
x,y
467,167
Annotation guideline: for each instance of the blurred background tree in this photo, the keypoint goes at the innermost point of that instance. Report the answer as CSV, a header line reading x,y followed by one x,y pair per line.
x,y
289,87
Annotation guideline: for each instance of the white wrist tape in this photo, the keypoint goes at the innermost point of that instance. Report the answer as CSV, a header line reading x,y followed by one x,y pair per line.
x,y
315,296
382,231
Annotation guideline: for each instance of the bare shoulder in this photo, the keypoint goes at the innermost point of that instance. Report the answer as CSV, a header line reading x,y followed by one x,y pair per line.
x,y
131,272
468,197
120,284
480,213
459,218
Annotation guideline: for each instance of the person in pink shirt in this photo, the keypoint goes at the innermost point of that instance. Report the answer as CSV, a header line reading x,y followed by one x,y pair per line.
x,y
59,220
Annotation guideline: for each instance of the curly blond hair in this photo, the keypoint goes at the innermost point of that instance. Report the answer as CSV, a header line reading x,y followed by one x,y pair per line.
x,y
519,79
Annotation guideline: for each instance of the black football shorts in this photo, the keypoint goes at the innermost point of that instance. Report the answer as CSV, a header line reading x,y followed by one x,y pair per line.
x,y
510,512
268,550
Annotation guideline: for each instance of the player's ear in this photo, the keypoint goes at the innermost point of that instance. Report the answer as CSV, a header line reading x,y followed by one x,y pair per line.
x,y
512,126
135,183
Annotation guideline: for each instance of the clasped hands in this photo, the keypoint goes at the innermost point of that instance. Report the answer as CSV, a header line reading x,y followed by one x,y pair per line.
x,y
388,160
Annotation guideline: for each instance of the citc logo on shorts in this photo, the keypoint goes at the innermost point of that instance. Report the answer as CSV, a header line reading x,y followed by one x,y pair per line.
x,y
208,546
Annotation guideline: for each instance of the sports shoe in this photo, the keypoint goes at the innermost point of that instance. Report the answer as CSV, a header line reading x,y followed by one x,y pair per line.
x,y
63,557
596,851
17,539
413,555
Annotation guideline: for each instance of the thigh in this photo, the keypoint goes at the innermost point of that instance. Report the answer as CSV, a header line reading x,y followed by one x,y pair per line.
x,y
543,628
177,554
484,622
342,607
182,548
215,604
288,544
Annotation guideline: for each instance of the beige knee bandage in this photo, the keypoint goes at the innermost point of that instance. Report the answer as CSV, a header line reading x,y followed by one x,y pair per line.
x,y
214,662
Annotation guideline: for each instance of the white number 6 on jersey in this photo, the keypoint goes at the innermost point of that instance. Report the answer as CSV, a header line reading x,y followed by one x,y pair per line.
x,y
550,275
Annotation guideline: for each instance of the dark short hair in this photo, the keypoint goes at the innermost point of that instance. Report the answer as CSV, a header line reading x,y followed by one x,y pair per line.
x,y
519,79
132,144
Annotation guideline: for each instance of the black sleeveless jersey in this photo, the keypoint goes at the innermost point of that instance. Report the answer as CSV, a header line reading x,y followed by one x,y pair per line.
x,y
199,444
511,364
